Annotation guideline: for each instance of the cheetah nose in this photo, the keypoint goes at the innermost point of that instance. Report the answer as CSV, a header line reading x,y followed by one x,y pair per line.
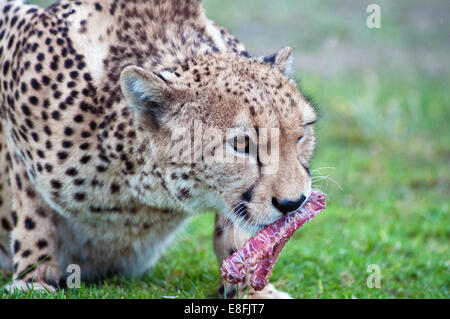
x,y
286,206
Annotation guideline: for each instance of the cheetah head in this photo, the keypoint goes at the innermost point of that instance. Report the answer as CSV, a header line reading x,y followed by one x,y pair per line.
x,y
227,132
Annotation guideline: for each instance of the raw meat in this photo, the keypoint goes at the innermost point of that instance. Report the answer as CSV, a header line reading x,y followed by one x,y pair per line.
x,y
261,252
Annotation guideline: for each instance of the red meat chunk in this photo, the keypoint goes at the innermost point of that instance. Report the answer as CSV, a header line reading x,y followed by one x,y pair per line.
x,y
261,252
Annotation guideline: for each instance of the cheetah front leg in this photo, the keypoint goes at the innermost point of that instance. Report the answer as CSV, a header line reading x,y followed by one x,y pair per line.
x,y
33,238
227,239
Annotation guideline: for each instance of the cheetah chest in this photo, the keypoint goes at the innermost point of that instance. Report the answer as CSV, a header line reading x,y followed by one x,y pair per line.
x,y
108,244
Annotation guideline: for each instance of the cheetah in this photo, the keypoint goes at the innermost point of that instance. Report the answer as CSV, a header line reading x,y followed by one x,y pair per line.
x,y
91,93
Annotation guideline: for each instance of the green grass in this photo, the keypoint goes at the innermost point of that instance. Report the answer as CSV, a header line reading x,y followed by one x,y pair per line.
x,y
382,158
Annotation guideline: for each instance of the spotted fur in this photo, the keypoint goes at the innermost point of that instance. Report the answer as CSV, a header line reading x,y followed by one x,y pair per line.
x,y
90,93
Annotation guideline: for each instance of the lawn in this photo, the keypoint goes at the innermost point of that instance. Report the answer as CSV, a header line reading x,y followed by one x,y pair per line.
x,y
382,156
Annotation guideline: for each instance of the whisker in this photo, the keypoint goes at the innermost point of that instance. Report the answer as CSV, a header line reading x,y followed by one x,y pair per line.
x,y
321,168
234,213
328,178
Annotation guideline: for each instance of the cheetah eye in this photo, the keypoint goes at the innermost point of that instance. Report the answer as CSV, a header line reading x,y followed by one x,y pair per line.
x,y
241,144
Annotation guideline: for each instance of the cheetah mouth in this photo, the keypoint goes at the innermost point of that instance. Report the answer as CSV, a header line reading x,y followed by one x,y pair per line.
x,y
241,212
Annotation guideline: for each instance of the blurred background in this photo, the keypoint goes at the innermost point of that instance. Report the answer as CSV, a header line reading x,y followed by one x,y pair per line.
x,y
382,156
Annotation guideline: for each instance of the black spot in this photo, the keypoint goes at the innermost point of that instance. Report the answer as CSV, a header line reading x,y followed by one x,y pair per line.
x,y
62,155
73,75
98,6
23,88
115,188
129,166
35,136
5,67
57,94
6,9
5,224
54,66
48,167
41,243
85,146
71,171
40,211
68,63
56,184
78,181
101,168
34,47
79,196
38,67
30,192
16,246
184,193
95,182
67,144
26,110
47,130
18,182
56,115
87,77
86,134
85,159
44,115
29,123
81,65
33,100
41,57
68,131
60,77
29,223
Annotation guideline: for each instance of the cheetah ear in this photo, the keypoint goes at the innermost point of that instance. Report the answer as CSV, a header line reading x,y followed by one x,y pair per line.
x,y
283,60
148,94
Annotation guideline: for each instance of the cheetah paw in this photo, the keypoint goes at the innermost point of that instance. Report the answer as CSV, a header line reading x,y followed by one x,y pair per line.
x,y
22,286
269,292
